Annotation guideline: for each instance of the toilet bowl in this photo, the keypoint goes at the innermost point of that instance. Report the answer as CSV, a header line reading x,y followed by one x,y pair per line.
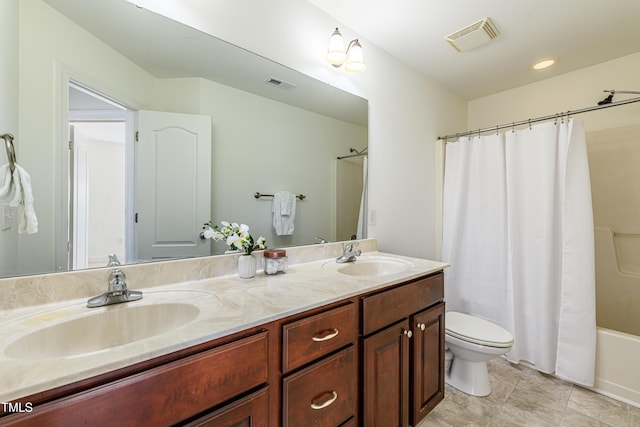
x,y
473,342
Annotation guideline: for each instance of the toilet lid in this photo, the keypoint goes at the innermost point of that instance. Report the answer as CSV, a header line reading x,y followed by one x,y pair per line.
x,y
476,330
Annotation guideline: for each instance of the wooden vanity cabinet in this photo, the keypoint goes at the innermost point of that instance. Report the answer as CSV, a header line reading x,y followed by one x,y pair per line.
x,y
376,359
403,352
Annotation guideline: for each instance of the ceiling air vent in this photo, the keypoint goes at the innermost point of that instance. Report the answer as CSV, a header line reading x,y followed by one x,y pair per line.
x,y
272,81
474,35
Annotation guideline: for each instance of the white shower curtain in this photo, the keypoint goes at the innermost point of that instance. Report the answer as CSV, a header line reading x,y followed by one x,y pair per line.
x,y
518,232
361,231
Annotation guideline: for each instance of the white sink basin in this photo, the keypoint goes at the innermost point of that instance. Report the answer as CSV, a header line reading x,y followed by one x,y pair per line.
x,y
375,266
100,330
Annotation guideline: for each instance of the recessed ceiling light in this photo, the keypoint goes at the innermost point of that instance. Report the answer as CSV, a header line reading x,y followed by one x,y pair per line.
x,y
543,63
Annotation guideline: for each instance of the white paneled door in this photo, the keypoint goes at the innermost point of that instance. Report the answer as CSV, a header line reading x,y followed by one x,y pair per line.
x,y
173,184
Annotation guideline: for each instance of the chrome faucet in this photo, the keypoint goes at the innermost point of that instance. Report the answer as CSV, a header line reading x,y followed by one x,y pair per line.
x,y
349,254
117,291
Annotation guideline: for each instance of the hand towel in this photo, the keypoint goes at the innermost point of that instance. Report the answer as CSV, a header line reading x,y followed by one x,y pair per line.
x,y
284,213
6,189
17,189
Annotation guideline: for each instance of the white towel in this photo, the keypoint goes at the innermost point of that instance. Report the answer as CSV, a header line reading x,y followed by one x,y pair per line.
x,y
284,213
17,190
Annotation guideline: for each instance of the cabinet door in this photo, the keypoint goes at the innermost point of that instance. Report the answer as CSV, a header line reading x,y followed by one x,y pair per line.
x,y
386,377
428,360
251,411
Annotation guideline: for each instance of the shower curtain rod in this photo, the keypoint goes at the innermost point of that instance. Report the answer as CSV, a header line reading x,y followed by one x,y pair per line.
x,y
538,119
353,150
351,155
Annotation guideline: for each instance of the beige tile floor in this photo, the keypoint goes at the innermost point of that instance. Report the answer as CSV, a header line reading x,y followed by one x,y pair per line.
x,y
525,397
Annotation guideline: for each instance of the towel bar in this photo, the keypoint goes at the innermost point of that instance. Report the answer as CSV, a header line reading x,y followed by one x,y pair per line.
x,y
11,152
257,195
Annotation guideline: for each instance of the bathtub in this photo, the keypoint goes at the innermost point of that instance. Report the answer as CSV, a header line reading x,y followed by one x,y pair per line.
x,y
617,367
618,345
617,260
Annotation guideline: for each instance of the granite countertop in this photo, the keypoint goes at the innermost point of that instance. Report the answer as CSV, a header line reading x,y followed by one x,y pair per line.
x,y
226,304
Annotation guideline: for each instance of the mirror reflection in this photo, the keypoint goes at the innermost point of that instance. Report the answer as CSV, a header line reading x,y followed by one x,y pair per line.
x,y
215,124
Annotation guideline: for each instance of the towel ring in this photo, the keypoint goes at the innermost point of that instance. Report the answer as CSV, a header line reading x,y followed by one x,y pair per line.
x,y
11,152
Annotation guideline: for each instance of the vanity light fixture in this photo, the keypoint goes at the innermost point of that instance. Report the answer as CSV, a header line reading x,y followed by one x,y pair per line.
x,y
352,58
543,63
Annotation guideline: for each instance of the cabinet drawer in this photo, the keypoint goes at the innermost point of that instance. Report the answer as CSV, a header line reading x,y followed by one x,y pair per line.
x,y
311,338
387,307
164,395
323,394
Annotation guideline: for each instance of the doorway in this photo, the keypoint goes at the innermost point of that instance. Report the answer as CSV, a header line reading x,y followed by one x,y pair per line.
x,y
98,179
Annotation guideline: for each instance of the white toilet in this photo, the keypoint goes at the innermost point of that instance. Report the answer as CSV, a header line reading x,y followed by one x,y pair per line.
x,y
473,342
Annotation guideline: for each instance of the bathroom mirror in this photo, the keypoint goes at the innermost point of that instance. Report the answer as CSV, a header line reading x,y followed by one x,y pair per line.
x,y
272,128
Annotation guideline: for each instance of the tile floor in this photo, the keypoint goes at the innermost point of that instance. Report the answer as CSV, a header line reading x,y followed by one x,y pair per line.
x,y
525,397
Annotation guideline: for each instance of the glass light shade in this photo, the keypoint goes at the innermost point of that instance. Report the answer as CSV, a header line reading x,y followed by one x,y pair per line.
x,y
336,54
355,62
543,63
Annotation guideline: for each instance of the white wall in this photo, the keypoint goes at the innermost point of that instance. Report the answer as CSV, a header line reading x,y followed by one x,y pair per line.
x,y
8,116
103,145
406,111
571,91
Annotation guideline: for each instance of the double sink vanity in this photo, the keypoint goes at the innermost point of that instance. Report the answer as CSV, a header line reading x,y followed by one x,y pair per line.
x,y
326,344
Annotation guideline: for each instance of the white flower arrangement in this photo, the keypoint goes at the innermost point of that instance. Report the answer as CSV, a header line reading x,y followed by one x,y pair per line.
x,y
236,236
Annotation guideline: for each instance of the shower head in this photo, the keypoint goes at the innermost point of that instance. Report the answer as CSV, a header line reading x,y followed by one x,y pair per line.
x,y
608,99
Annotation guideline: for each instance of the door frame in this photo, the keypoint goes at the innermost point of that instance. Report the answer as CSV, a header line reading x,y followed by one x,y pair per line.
x,y
69,76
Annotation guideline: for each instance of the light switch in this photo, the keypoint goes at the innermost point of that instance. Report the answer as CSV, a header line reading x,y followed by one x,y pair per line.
x,y
372,217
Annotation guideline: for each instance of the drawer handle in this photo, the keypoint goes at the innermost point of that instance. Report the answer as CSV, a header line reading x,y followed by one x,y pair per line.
x,y
325,335
326,403
408,333
422,326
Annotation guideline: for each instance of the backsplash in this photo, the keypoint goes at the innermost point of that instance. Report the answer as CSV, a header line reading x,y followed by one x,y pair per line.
x,y
26,291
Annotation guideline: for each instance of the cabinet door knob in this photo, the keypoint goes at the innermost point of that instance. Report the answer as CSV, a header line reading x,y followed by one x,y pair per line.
x,y
408,333
326,403
325,335
421,326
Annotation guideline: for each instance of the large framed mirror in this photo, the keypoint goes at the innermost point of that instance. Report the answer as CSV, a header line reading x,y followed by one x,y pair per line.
x,y
271,129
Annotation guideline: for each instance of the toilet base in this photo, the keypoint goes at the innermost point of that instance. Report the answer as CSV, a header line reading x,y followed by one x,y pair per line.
x,y
469,377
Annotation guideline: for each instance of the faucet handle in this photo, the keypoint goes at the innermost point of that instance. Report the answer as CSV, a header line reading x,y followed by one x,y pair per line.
x,y
117,282
113,260
349,247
